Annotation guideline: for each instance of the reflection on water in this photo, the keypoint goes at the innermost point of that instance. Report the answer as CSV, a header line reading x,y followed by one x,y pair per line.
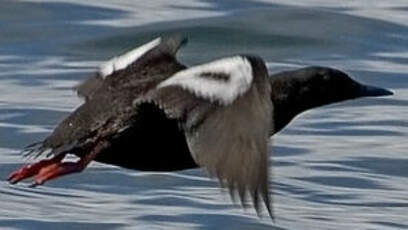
x,y
337,167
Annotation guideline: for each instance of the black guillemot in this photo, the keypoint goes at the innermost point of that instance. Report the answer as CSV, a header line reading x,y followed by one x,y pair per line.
x,y
144,110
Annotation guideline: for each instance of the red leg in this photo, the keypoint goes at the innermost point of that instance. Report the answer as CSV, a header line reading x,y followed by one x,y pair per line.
x,y
63,168
33,169
49,169
60,169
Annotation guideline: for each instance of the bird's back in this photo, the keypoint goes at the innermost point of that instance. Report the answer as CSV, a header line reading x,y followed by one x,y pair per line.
x,y
111,101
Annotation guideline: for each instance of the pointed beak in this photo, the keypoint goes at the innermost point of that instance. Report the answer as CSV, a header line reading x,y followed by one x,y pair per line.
x,y
372,91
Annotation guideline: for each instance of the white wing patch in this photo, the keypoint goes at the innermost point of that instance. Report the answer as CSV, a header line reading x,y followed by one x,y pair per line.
x,y
237,72
123,61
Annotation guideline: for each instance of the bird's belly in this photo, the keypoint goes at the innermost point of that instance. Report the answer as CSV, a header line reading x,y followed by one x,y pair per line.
x,y
154,144
147,155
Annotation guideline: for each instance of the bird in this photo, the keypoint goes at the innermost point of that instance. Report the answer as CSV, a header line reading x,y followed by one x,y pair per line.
x,y
145,110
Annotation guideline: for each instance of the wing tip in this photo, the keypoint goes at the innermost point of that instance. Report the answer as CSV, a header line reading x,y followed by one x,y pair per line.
x,y
167,44
124,60
172,43
33,150
269,209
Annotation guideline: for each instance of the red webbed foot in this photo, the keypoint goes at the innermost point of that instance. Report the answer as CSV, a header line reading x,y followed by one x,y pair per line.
x,y
56,170
54,167
33,169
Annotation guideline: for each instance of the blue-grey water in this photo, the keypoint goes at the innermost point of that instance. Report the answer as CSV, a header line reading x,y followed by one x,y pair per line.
x,y
343,166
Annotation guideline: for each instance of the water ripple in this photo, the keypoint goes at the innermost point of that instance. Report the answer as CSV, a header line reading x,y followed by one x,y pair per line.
x,y
341,166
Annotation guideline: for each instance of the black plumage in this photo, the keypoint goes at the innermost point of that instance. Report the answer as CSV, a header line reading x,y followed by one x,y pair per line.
x,y
130,121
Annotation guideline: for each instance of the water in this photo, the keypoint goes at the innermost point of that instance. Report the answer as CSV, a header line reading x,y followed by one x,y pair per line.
x,y
343,166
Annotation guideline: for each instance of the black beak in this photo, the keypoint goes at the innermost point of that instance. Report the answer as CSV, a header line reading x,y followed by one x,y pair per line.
x,y
372,91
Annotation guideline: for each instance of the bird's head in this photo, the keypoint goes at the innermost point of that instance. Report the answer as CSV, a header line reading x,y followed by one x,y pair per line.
x,y
296,91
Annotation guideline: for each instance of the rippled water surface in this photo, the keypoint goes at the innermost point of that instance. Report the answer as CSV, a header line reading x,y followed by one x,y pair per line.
x,y
342,166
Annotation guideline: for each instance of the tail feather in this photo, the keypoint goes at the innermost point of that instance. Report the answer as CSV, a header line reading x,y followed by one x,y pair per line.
x,y
34,150
32,145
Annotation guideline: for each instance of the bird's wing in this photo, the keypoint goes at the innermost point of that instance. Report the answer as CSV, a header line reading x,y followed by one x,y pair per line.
x,y
107,95
225,110
159,47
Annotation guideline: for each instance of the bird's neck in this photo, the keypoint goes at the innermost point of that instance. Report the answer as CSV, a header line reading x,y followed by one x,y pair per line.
x,y
289,98
283,114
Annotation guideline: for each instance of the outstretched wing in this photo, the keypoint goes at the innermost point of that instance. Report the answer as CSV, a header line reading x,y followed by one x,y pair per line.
x,y
109,94
225,110
113,67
